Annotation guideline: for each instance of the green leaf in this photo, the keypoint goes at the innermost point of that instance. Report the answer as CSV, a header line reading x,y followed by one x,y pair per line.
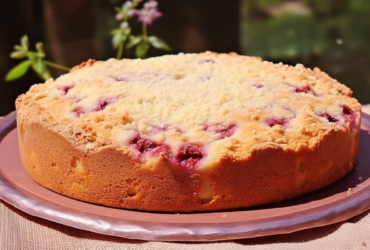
x,y
133,40
124,12
46,75
39,67
135,3
18,71
117,39
32,55
24,42
115,31
158,43
118,9
141,49
127,31
41,70
40,48
17,47
18,54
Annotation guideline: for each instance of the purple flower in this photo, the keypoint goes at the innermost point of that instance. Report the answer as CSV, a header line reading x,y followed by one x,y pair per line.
x,y
124,25
128,4
132,13
119,16
149,13
151,4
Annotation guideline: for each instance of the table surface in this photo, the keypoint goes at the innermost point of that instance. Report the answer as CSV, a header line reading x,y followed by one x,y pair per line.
x,y
19,230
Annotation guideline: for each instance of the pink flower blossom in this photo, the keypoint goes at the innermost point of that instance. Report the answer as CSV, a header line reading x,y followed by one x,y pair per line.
x,y
151,5
128,4
119,16
149,13
124,25
132,13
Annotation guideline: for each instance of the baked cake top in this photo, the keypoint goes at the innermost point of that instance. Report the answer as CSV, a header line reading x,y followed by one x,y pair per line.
x,y
193,109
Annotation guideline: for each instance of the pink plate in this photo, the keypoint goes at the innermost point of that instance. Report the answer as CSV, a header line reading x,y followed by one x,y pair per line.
x,y
330,205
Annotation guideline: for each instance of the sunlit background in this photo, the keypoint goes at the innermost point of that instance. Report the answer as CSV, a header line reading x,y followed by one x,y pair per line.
x,y
333,35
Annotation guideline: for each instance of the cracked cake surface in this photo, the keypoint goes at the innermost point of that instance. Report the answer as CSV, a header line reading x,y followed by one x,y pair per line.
x,y
188,132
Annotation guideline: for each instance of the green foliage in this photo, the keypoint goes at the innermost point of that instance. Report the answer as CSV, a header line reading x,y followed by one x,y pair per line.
x,y
18,71
34,59
291,34
41,69
117,39
284,36
268,2
142,49
158,43
24,42
133,41
353,26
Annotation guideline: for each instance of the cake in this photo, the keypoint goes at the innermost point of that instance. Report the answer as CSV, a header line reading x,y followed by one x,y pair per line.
x,y
188,132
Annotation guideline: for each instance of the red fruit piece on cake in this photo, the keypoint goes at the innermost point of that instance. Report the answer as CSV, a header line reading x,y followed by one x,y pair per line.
x,y
258,86
103,103
305,90
78,112
147,146
203,61
273,121
329,117
223,130
188,156
65,89
348,114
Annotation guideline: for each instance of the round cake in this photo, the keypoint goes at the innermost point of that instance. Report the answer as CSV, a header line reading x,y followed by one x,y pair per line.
x,y
188,132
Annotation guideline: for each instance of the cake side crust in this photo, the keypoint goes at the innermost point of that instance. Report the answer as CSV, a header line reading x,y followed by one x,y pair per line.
x,y
109,175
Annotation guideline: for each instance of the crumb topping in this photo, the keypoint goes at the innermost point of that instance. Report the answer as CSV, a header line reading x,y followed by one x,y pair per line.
x,y
195,109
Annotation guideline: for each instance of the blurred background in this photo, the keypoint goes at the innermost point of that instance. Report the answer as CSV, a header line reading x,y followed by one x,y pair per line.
x,y
333,35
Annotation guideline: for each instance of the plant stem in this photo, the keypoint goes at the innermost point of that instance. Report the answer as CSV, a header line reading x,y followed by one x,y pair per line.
x,y
120,51
145,33
54,65
145,39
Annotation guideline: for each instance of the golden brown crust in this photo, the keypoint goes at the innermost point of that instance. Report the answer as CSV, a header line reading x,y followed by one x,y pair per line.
x,y
259,164
88,63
